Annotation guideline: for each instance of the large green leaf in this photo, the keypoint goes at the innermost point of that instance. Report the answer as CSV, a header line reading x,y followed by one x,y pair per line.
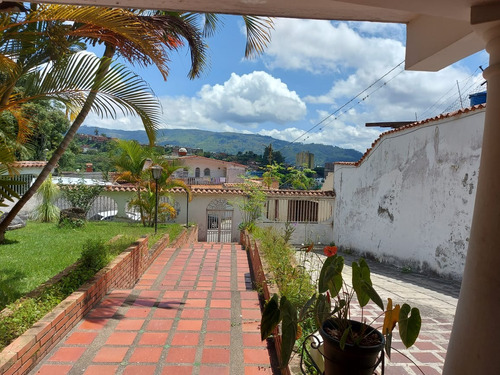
x,y
330,277
271,317
362,284
289,330
409,324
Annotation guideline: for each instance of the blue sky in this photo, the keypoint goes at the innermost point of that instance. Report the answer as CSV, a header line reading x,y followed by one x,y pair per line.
x,y
309,70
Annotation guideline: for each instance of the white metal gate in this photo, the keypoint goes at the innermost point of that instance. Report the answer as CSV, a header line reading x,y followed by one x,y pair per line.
x,y
219,221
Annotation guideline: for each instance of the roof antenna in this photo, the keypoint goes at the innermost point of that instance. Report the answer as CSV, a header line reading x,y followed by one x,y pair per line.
x,y
481,67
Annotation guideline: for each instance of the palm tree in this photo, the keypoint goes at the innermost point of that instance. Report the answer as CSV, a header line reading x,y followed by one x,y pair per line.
x,y
140,38
134,164
130,164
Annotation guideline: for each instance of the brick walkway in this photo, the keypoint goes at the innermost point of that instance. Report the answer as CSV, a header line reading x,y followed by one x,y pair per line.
x,y
192,312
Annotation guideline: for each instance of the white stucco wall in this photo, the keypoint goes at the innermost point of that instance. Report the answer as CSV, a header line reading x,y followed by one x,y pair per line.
x,y
411,200
305,233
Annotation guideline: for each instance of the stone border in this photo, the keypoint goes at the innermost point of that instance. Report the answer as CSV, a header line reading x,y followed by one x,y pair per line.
x,y
123,272
265,287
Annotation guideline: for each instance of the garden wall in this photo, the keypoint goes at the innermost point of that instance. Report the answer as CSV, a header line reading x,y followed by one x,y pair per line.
x,y
410,200
123,272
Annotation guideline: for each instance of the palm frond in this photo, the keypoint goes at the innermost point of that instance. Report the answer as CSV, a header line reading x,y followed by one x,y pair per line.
x,y
171,27
120,91
258,34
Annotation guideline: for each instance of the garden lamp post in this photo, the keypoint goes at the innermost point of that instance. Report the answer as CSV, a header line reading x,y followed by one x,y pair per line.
x,y
187,209
156,172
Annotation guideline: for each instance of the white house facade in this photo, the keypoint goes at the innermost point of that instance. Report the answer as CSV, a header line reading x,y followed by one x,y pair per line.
x,y
199,170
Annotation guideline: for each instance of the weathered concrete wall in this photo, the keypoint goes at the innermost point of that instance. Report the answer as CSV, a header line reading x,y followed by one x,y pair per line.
x,y
411,199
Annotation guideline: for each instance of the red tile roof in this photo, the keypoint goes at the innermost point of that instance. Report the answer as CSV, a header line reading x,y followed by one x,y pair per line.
x,y
29,164
219,189
412,125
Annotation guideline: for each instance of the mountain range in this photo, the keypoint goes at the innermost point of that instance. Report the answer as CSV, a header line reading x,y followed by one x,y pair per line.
x,y
232,143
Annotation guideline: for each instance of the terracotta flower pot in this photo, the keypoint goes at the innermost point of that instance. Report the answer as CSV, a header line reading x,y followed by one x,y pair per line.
x,y
353,359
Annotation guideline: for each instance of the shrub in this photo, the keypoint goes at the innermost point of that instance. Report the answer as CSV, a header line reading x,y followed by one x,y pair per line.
x,y
95,254
72,218
47,211
81,195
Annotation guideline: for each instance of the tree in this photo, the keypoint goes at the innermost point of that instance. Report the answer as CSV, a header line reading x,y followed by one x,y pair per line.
x,y
270,156
103,85
273,174
139,38
253,204
49,124
146,200
300,179
130,165
134,166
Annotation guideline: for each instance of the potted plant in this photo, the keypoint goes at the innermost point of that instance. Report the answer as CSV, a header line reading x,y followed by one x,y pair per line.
x,y
350,347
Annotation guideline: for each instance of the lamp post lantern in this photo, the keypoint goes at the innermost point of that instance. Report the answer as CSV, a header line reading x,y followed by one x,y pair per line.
x,y
156,171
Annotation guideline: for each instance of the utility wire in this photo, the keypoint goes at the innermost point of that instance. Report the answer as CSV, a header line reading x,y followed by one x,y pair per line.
x,y
343,106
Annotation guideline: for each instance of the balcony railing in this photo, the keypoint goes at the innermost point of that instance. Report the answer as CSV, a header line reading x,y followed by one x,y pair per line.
x,y
204,180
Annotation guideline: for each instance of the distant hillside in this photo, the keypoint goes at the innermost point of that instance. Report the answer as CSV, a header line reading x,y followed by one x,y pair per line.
x,y
232,143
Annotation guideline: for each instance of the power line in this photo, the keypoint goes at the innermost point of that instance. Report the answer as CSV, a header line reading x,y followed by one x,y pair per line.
x,y
347,103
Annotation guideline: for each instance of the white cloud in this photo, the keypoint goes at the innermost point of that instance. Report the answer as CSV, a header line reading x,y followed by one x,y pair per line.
x,y
246,100
331,132
353,56
323,46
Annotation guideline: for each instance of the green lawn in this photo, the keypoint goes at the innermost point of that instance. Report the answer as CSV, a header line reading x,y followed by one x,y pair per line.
x,y
39,251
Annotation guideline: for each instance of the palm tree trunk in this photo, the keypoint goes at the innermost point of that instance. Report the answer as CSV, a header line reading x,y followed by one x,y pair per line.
x,y
89,102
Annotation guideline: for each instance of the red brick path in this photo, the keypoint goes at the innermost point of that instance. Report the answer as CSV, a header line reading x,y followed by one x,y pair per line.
x,y
192,312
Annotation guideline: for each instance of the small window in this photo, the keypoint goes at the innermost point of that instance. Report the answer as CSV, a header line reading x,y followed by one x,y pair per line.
x,y
197,172
206,172
302,211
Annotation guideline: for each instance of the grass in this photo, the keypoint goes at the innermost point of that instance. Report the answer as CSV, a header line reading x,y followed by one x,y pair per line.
x,y
89,244
34,254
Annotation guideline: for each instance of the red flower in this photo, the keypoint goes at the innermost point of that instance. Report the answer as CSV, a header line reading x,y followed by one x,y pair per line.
x,y
330,251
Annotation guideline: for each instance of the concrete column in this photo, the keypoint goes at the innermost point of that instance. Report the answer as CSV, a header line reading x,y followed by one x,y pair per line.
x,y
474,344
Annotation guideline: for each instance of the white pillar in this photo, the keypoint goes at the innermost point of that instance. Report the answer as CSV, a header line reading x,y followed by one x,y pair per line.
x,y
474,344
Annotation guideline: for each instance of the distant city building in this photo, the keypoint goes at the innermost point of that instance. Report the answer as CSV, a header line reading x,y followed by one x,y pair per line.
x,y
305,158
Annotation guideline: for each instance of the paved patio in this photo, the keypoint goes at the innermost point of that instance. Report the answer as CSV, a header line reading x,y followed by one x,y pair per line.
x,y
192,312
436,299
